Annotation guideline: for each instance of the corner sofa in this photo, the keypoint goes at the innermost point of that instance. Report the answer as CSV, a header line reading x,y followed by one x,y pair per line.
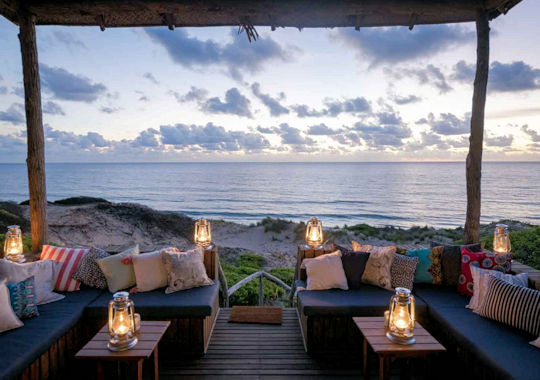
x,y
45,346
477,347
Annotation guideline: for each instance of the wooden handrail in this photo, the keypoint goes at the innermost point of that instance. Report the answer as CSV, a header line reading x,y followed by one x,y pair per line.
x,y
260,275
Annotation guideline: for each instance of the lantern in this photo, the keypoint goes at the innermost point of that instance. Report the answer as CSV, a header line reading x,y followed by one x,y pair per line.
x,y
501,239
203,233
401,318
13,246
121,323
314,233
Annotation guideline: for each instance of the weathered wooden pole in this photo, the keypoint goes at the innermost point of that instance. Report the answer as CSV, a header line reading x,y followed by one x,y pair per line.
x,y
35,160
474,158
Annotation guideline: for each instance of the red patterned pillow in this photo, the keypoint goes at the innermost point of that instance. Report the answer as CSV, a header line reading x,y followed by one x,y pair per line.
x,y
70,259
484,260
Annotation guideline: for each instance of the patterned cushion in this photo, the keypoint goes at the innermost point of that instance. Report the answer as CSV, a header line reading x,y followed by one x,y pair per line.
x,y
378,266
402,271
422,275
185,270
483,260
451,261
70,259
88,272
23,298
513,305
435,269
8,319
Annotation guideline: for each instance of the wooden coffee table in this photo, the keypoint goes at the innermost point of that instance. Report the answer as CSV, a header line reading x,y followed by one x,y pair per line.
x,y
372,328
149,336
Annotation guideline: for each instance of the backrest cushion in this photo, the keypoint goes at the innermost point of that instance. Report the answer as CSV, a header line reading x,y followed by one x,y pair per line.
x,y
422,274
70,259
378,267
185,270
514,305
483,260
325,272
451,261
354,264
402,271
150,272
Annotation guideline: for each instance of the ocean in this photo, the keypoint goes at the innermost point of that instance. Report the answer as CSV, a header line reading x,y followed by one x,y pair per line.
x,y
399,194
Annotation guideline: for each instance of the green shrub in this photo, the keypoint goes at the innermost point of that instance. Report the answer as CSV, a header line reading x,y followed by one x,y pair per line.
x,y
79,201
364,229
274,225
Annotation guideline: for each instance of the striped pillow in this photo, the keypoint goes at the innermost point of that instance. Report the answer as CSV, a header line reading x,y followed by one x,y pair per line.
x,y
513,305
70,259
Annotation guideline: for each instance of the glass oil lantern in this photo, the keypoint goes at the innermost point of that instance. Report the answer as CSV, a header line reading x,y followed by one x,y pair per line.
x,y
13,245
401,318
501,239
314,233
121,323
203,233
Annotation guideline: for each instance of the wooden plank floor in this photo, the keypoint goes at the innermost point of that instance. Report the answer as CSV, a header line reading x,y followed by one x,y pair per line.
x,y
253,351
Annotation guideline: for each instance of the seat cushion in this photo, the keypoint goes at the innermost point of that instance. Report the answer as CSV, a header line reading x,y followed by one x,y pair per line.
x,y
27,343
195,302
440,296
501,348
368,300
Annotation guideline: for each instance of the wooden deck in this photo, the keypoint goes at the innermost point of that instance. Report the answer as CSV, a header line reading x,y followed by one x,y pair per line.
x,y
253,351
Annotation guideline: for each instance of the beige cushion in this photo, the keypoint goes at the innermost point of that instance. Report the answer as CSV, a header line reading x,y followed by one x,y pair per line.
x,y
185,270
44,272
8,319
119,275
536,342
325,272
150,272
378,267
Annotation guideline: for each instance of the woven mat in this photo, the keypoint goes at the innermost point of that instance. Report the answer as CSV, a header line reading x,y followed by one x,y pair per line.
x,y
256,314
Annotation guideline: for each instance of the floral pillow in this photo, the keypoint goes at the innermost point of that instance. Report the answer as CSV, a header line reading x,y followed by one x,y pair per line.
x,y
482,260
185,270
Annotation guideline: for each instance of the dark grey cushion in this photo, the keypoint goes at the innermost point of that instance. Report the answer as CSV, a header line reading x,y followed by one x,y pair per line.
x,y
505,350
451,261
354,264
368,300
440,296
22,346
196,302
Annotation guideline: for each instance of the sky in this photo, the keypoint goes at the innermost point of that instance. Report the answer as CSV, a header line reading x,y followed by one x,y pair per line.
x,y
207,94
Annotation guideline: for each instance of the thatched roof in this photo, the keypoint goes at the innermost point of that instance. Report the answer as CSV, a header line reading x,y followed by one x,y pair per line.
x,y
274,13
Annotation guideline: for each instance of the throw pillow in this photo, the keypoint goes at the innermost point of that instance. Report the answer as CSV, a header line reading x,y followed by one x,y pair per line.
x,y
514,305
8,318
88,272
185,270
354,264
44,272
435,269
150,272
371,248
117,270
536,342
422,274
402,271
378,267
22,296
70,259
483,260
451,261
325,272
480,283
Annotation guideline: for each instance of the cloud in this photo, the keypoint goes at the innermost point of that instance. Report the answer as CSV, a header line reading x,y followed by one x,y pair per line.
x,y
429,75
535,136
235,104
398,44
389,135
238,55
52,108
18,91
194,94
14,114
292,136
67,39
109,110
303,110
89,141
334,108
150,77
147,138
275,108
448,123
3,90
142,96
503,77
322,130
212,137
67,86
499,141
402,100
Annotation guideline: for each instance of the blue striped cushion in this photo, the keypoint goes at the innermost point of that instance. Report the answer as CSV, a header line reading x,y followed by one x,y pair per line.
x,y
514,305
22,296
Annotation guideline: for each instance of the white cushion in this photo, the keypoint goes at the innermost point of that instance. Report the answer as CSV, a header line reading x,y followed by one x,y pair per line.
x,y
45,273
480,283
536,342
8,319
185,270
150,272
325,272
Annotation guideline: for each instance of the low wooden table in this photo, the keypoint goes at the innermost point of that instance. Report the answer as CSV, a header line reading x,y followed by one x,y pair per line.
x,y
149,336
372,328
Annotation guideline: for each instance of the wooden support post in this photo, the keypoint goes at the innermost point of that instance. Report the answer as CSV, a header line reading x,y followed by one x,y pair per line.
x,y
474,158
35,160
